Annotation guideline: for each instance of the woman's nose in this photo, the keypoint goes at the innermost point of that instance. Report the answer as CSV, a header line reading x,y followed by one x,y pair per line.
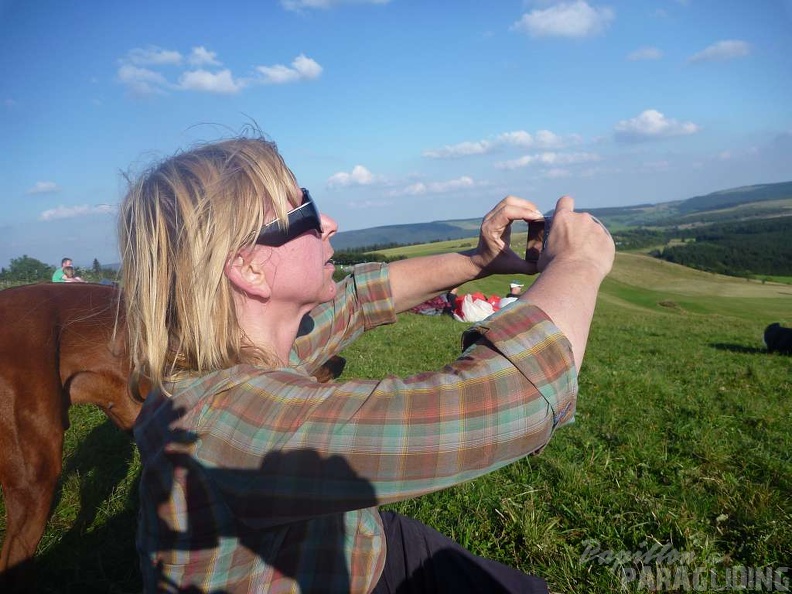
x,y
329,226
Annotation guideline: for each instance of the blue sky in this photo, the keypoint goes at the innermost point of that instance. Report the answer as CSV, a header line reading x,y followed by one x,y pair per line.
x,y
389,111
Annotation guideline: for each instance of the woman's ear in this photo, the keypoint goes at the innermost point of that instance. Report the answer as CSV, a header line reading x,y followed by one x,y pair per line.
x,y
245,271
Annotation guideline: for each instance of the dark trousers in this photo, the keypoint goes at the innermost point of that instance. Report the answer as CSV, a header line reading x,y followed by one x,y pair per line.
x,y
420,559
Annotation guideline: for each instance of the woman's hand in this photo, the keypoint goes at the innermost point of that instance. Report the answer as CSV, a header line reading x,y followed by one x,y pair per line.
x,y
578,238
493,255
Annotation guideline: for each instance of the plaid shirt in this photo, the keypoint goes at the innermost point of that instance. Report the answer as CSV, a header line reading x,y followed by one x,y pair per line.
x,y
267,481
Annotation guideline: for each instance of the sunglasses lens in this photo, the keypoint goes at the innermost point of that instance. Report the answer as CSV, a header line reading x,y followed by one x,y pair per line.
x,y
304,218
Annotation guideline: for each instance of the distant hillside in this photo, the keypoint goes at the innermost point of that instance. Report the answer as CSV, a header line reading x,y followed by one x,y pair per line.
x,y
736,196
407,234
735,204
747,202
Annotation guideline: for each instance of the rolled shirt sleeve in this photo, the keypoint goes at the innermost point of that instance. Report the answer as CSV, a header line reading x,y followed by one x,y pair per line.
x,y
500,401
544,353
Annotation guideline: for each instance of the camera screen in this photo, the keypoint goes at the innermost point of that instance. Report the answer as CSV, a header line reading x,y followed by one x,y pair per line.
x,y
537,236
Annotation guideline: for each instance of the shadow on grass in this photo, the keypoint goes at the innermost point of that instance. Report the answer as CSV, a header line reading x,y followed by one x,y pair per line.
x,y
101,461
102,558
738,348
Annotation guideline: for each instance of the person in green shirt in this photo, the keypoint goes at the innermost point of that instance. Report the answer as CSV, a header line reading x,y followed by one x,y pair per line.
x,y
57,276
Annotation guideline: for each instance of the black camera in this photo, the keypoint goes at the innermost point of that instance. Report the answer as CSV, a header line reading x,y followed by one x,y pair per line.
x,y
538,232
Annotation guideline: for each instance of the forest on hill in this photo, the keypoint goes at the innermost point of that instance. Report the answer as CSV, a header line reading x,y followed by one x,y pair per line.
x,y
746,248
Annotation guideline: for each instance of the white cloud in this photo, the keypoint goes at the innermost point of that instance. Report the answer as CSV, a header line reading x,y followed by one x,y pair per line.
x,y
307,67
153,56
137,69
44,187
70,212
200,56
518,138
421,188
645,53
543,139
722,50
549,159
463,149
140,71
142,81
742,154
359,176
298,5
302,68
567,19
369,204
210,82
652,124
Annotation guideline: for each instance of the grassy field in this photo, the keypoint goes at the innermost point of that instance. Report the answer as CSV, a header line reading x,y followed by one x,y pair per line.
x,y
681,445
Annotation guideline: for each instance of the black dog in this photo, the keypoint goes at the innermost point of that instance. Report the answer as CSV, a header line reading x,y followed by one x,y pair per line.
x,y
778,339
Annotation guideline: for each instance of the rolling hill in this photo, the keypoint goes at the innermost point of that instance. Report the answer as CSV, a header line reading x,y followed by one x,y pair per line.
x,y
756,201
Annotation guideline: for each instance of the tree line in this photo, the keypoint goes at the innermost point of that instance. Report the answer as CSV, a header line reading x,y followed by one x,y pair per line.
x,y
29,270
746,248
358,255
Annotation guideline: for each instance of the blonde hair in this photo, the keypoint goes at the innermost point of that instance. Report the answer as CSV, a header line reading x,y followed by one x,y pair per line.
x,y
178,225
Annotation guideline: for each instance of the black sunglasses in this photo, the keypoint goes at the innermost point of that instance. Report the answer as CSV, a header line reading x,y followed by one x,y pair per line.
x,y
303,218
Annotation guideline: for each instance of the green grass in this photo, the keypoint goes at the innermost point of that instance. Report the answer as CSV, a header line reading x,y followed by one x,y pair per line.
x,y
427,249
777,279
681,439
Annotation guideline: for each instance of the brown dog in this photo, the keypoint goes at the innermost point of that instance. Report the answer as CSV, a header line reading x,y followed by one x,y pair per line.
x,y
58,346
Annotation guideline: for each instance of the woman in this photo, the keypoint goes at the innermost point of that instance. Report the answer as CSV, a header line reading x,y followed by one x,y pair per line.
x,y
256,477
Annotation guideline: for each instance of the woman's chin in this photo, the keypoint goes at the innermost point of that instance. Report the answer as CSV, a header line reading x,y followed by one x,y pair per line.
x,y
329,290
